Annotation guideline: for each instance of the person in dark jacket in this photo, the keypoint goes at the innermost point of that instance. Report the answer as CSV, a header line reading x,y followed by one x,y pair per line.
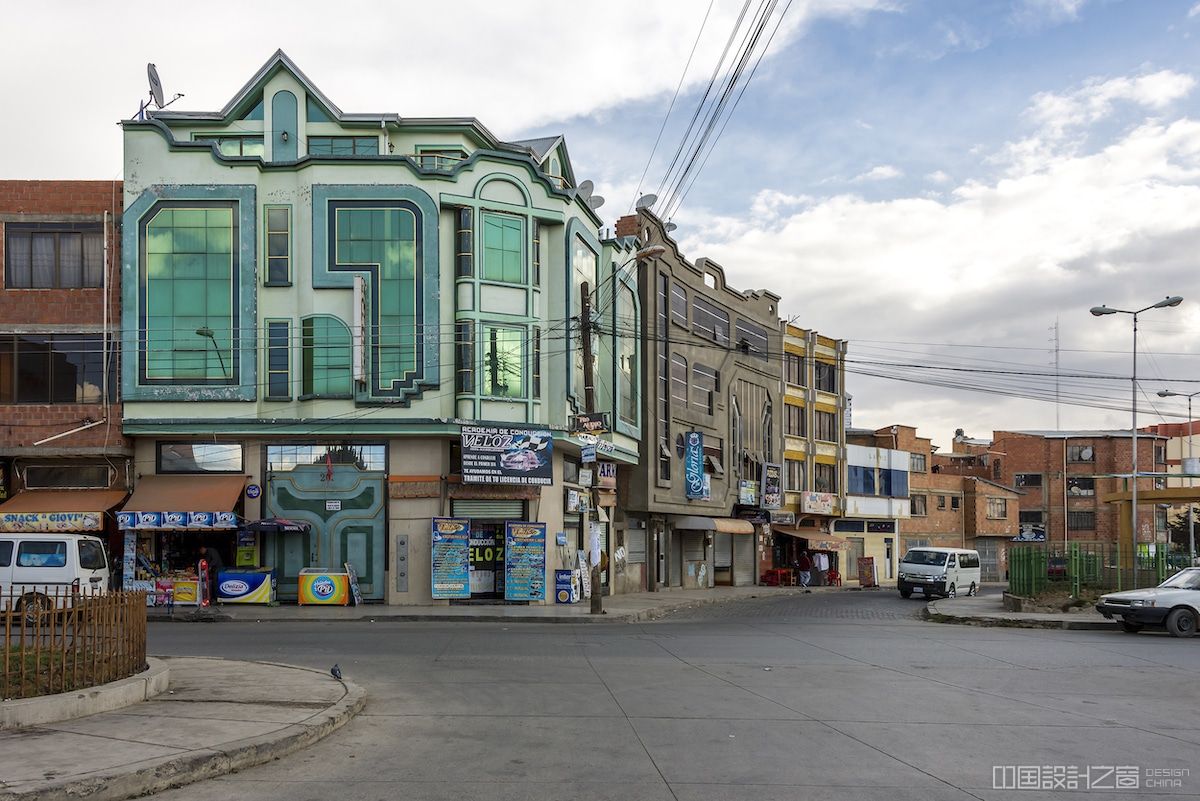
x,y
804,568
215,566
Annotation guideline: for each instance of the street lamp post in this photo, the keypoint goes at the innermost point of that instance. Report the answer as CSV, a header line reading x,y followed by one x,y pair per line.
x,y
1167,393
1100,311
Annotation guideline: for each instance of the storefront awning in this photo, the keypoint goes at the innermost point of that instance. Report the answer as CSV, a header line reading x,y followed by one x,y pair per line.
x,y
58,510
723,525
817,541
183,502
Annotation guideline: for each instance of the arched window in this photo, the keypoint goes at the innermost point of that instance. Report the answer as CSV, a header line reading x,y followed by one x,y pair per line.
x,y
626,350
325,358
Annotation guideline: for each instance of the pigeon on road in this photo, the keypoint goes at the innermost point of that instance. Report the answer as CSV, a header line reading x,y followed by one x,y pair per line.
x,y
336,672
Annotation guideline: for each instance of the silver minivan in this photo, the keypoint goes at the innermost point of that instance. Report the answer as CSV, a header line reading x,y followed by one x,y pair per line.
x,y
36,568
939,571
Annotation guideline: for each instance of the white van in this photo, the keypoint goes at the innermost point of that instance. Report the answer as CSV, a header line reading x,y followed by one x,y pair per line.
x,y
939,571
36,567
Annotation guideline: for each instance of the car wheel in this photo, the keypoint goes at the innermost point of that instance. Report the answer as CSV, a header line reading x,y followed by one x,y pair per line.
x,y
1130,628
905,593
951,592
33,607
973,591
1181,623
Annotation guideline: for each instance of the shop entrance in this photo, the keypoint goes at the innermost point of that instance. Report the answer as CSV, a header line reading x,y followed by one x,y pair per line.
x,y
487,560
345,508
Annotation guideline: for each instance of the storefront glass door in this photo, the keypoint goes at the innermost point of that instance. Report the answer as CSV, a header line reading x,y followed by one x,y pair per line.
x,y
487,560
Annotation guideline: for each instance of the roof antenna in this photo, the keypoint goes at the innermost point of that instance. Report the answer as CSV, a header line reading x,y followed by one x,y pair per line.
x,y
156,93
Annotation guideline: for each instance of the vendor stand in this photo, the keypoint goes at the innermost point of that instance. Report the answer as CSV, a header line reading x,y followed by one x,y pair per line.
x,y
246,582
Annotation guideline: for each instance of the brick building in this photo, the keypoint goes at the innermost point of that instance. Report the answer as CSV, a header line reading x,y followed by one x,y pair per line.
x,y
1062,476
63,459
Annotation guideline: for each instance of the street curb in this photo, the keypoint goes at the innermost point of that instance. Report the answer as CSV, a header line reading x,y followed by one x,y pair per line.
x,y
934,615
114,695
154,776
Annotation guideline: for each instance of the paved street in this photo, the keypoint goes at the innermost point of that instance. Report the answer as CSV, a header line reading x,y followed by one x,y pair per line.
x,y
841,695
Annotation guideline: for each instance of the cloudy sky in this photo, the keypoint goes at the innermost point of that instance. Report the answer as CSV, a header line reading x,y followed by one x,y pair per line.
x,y
940,183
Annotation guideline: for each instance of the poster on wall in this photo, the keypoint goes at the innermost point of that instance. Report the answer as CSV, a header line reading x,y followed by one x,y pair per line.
x,y
524,561
519,456
748,493
606,475
772,486
450,553
693,464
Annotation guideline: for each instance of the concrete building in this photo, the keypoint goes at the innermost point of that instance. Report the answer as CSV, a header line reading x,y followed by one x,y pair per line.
x,y
366,321
877,499
713,381
64,463
1062,476
1183,443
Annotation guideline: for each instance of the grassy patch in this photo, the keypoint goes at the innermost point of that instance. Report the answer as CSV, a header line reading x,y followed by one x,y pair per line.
x,y
49,672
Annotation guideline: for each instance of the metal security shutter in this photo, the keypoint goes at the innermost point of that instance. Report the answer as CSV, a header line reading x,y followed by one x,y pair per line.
x,y
743,559
488,510
722,550
693,545
989,560
635,545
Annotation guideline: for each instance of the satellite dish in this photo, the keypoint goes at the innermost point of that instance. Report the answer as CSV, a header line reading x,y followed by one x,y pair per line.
x,y
646,201
1086,454
156,90
586,188
595,202
669,227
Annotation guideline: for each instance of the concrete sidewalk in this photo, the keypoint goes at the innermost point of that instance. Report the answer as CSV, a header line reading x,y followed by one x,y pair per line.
x,y
989,611
627,608
217,717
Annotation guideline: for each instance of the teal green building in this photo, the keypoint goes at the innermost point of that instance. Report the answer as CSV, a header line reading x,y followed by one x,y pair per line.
x,y
318,301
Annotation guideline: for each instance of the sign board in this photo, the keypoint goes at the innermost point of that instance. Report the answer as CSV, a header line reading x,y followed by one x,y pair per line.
x,y
1031,532
590,423
37,522
253,490
585,477
594,542
520,456
706,492
693,464
524,561
784,518
606,475
585,575
748,493
602,445
333,506
587,454
575,502
817,503
451,558
866,571
355,593
772,486
176,520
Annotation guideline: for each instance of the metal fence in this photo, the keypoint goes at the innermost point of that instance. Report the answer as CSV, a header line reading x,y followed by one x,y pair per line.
x,y
1079,566
56,640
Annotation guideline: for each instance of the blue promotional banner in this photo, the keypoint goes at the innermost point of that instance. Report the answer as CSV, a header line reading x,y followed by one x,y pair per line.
x,y
693,464
451,558
525,561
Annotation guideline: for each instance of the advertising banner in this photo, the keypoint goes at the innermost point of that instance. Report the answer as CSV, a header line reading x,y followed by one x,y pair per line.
x,y
520,456
606,475
524,561
817,503
772,486
38,522
451,558
590,423
748,493
177,520
693,464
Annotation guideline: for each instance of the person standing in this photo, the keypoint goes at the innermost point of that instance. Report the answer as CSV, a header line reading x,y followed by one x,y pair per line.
x,y
215,566
804,566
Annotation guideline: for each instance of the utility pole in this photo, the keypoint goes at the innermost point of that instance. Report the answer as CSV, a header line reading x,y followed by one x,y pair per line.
x,y
589,406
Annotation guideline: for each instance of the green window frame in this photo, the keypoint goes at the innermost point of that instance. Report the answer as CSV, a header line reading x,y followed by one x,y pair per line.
x,y
343,145
277,245
190,294
326,357
235,145
503,248
503,357
279,358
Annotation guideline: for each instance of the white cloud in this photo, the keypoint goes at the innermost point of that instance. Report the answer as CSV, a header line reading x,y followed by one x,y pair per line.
x,y
1194,11
1041,13
882,172
1095,100
938,177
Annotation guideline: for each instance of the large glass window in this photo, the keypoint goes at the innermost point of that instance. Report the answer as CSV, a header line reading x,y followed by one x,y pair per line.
x,y
752,339
679,304
200,457
627,316
663,383
74,476
53,368
825,424
710,321
53,256
190,291
825,478
1077,485
279,341
997,508
1081,453
1027,480
284,458
34,553
860,480
279,245
343,146
1081,521
326,356
919,504
706,383
504,248
236,145
793,420
825,377
583,271
794,472
893,483
679,381
793,364
917,462
503,362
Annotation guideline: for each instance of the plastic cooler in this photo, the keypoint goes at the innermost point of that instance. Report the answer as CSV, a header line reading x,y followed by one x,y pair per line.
x,y
319,585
